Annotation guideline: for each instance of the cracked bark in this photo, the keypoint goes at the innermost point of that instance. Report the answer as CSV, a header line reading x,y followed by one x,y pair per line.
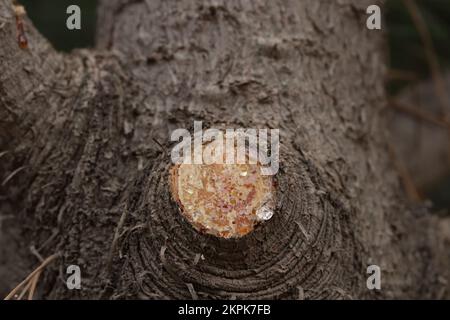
x,y
86,130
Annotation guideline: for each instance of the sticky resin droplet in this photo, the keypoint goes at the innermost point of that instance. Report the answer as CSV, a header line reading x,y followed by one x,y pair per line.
x,y
264,213
225,200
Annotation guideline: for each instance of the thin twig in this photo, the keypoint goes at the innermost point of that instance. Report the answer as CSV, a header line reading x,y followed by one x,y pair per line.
x,y
431,55
36,253
33,285
8,178
394,74
432,59
408,182
25,289
3,153
31,275
418,113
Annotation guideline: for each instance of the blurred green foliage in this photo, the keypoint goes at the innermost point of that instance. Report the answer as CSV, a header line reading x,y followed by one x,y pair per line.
x,y
406,50
407,53
439,196
50,17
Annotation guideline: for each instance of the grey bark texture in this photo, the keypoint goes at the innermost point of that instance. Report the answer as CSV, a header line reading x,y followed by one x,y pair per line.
x,y
86,154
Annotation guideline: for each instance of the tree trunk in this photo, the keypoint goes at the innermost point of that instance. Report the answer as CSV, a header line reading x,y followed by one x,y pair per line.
x,y
87,153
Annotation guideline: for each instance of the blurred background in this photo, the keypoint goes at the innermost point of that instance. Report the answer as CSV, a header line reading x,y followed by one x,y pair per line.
x,y
417,83
49,16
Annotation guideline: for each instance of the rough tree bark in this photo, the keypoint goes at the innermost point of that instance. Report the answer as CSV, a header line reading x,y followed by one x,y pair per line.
x,y
86,153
